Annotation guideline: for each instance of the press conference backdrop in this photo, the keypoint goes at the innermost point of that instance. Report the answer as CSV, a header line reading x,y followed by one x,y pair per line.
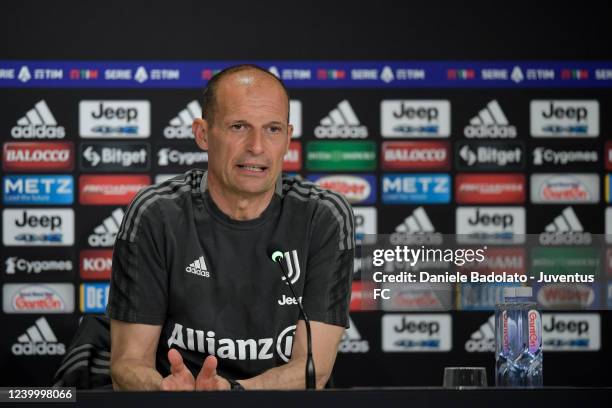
x,y
399,140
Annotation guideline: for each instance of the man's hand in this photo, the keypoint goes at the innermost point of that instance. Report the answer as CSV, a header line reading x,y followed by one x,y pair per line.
x,y
181,378
208,380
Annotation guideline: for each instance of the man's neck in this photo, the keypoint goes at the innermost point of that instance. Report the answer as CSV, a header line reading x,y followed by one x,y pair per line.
x,y
237,206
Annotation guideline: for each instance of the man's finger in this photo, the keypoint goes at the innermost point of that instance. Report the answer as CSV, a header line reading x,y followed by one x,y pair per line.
x,y
176,361
209,368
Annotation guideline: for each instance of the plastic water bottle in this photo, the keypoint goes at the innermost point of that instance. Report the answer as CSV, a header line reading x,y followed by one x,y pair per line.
x,y
518,340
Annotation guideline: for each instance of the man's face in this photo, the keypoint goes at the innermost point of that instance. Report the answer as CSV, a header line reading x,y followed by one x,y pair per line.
x,y
249,134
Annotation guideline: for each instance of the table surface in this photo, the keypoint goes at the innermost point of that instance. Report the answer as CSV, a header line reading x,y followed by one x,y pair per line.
x,y
408,397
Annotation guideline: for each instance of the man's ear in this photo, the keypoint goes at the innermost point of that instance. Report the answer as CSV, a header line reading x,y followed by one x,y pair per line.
x,y
289,136
200,129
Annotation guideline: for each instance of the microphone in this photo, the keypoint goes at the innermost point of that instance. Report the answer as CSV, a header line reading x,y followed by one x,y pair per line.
x,y
278,257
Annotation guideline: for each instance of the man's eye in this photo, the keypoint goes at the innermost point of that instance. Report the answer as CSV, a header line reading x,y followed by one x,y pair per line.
x,y
237,126
276,129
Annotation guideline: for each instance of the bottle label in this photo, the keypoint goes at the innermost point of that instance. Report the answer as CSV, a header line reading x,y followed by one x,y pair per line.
x,y
535,330
505,335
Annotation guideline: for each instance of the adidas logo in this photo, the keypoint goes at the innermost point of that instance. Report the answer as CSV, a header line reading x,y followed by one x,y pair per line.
x,y
104,234
38,123
352,342
565,229
417,222
38,340
491,123
180,125
341,122
198,267
483,339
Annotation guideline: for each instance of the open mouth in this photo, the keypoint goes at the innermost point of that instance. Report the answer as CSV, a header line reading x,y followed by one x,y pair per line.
x,y
253,167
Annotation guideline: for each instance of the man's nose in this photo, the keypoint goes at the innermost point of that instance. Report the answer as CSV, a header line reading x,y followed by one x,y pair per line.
x,y
255,142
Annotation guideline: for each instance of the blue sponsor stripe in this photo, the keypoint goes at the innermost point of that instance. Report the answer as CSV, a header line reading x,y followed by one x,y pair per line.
x,y
35,189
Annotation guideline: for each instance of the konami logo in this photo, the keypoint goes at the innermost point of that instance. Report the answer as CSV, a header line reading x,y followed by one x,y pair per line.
x,y
110,189
416,155
490,188
37,156
96,264
293,158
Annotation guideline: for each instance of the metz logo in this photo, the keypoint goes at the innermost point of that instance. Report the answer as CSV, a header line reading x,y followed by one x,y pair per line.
x,y
206,341
352,342
114,156
38,340
341,123
415,118
168,156
34,156
38,123
113,119
570,118
416,333
482,339
565,188
490,123
565,229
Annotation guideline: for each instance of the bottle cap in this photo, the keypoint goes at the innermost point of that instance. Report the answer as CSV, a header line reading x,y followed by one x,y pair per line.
x,y
509,292
524,292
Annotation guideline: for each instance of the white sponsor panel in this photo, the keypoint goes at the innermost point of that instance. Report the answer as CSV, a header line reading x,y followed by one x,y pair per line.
x,y
571,332
38,227
352,342
559,188
490,123
564,118
114,119
609,225
416,333
38,340
295,117
38,298
365,222
495,225
178,157
160,178
415,118
15,264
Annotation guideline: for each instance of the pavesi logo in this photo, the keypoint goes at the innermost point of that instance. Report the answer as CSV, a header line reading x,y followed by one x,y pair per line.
x,y
96,264
356,189
415,188
490,188
114,156
180,126
293,158
564,188
571,332
482,339
489,155
567,296
490,123
416,332
565,229
38,298
499,225
38,123
104,234
365,222
548,156
416,155
112,119
44,227
352,342
38,189
168,156
38,340
94,297
556,118
198,268
35,156
14,264
341,122
233,349
110,189
415,118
